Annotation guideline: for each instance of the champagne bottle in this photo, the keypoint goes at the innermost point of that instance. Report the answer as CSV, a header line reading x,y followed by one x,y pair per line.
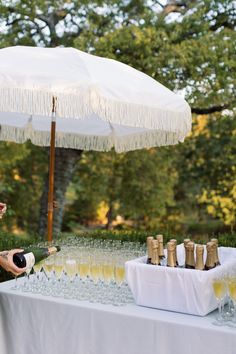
x,y
161,248
199,257
171,261
149,249
210,260
186,241
155,253
215,241
30,256
189,260
173,240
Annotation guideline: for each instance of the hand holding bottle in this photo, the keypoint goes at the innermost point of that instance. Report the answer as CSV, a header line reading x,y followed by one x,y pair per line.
x,y
3,209
6,261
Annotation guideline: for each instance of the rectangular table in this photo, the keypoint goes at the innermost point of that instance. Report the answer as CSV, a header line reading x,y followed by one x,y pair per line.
x,y
35,324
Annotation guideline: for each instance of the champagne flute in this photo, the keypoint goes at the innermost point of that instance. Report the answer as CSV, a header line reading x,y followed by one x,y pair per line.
x,y
15,286
108,270
48,266
219,288
84,267
95,268
26,286
228,310
71,268
37,268
71,272
48,271
120,272
58,266
232,294
35,288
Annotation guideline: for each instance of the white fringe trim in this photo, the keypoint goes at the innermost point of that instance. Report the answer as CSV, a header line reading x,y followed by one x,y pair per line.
x,y
38,102
80,104
97,143
137,115
147,140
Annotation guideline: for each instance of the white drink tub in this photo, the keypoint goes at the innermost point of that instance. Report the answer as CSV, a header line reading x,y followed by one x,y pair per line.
x,y
177,289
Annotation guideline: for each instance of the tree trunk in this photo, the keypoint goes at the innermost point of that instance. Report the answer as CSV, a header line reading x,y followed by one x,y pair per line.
x,y
109,216
65,163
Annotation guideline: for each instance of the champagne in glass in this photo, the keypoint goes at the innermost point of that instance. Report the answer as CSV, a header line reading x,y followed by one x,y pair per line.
x,y
84,268
38,267
37,270
232,294
219,288
108,272
48,266
95,271
58,266
71,268
232,289
119,273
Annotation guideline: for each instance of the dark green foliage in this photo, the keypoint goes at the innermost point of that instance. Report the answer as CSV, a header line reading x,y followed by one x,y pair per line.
x,y
189,47
22,171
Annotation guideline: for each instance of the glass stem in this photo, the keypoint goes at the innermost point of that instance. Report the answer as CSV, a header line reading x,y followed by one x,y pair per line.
x,y
15,287
234,313
220,309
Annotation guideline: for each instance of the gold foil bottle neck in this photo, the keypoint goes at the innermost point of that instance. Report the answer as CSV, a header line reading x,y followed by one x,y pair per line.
x,y
190,245
189,260
161,248
209,247
170,246
199,249
155,244
216,255
175,243
171,261
155,254
186,241
210,260
199,257
53,249
149,248
215,240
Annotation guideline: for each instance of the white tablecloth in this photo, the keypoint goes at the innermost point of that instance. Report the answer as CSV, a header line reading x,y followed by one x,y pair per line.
x,y
33,324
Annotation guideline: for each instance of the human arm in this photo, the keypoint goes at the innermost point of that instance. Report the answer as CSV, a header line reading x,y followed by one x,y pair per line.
x,y
6,262
3,208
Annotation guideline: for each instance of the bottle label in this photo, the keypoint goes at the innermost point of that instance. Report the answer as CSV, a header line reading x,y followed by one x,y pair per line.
x,y
30,260
52,250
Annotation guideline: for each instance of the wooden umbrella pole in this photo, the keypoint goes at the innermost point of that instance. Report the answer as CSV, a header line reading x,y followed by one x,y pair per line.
x,y
51,171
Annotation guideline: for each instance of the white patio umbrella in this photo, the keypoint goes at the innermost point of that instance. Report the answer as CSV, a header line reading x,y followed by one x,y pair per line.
x,y
95,104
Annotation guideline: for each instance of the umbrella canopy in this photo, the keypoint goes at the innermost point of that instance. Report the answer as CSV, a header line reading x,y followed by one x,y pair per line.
x,y
99,103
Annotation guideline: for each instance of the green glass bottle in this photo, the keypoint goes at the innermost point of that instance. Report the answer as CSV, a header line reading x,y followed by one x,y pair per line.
x,y
32,255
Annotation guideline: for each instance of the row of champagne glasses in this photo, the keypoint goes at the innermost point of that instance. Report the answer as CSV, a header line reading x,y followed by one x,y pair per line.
x,y
224,287
86,269
103,266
